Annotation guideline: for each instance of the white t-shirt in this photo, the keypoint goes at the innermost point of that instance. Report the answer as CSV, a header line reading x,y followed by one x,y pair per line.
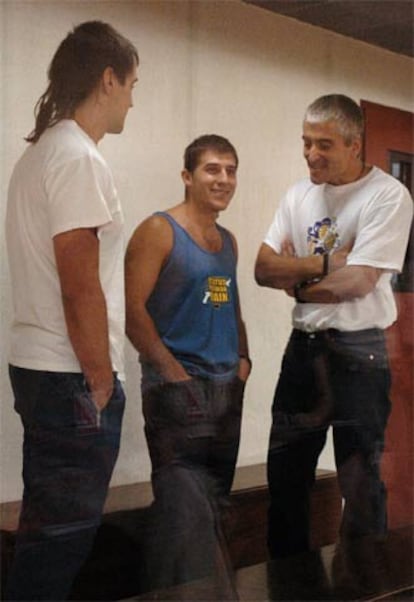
x,y
59,184
375,210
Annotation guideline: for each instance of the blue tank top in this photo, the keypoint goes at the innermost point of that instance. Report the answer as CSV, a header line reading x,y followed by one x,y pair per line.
x,y
194,302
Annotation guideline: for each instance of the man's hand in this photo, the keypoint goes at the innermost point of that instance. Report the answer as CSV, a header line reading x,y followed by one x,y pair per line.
x,y
338,258
245,368
102,392
287,248
173,371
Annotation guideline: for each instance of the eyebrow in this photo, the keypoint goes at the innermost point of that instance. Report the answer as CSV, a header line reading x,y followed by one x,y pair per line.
x,y
218,164
317,139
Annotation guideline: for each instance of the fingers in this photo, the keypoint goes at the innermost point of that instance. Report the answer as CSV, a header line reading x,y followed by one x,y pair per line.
x,y
287,248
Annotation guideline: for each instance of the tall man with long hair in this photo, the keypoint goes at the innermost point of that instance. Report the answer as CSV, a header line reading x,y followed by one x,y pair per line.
x,y
65,246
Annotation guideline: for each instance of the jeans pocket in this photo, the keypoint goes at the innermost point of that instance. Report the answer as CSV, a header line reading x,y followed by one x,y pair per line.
x,y
85,413
174,404
184,401
26,385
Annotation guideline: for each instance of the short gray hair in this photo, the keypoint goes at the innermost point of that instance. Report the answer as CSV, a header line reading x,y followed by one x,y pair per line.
x,y
341,109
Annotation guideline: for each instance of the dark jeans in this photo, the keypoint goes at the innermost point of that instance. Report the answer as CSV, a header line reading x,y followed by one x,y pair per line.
x,y
192,430
68,460
328,378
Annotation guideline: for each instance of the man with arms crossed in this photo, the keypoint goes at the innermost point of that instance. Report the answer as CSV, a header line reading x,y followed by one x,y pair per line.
x,y
337,238
64,233
183,317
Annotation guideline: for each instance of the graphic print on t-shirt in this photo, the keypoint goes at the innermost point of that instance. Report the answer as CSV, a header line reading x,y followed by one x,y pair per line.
x,y
217,291
323,236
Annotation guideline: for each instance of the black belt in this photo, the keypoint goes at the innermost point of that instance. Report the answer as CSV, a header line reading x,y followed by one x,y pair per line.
x,y
335,333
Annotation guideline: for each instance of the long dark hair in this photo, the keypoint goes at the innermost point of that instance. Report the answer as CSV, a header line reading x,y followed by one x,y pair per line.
x,y
76,68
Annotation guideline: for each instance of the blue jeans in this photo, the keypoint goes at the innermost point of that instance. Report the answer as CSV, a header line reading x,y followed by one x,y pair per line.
x,y
193,431
68,459
328,378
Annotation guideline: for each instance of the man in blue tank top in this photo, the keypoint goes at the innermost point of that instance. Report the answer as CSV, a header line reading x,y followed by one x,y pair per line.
x,y
183,317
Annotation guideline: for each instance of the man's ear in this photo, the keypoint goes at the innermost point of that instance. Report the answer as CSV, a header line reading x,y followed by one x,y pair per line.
x,y
186,177
357,146
108,77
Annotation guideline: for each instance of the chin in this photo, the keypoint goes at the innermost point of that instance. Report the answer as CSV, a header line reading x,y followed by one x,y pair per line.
x,y
316,180
116,129
319,175
220,206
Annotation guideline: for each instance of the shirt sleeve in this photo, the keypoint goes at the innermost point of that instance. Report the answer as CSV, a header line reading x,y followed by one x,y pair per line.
x,y
279,228
383,231
77,193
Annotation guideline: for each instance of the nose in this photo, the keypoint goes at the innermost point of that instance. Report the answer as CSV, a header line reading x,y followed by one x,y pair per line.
x,y
311,153
223,176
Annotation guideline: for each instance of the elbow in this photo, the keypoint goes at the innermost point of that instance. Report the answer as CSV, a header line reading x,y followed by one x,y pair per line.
x,y
360,281
128,330
130,324
264,277
356,292
260,276
131,334
365,285
134,325
73,297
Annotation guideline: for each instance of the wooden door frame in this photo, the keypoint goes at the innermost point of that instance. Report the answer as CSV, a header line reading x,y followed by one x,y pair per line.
x,y
389,129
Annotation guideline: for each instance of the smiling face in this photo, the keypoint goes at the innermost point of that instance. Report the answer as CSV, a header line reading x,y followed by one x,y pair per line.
x,y
330,158
212,184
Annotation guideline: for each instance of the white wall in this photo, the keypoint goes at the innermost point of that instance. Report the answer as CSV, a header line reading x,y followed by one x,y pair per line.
x,y
206,66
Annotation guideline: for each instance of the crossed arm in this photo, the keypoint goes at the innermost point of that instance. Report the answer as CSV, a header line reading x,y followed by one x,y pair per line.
x,y
342,283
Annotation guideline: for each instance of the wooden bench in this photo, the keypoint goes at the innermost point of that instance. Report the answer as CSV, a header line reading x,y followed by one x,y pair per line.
x,y
111,571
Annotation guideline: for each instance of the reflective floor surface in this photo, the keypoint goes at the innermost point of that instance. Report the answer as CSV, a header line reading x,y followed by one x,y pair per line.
x,y
361,570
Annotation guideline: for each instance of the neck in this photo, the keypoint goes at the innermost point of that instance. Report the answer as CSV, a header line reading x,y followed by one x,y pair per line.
x,y
203,219
358,171
89,118
362,171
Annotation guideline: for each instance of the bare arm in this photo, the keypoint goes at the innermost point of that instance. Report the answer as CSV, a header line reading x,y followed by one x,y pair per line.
x,y
284,270
245,365
77,260
146,253
345,284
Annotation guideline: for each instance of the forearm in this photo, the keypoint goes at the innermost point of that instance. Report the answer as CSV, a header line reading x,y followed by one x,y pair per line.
x,y
345,284
282,272
144,337
77,262
245,363
243,345
87,325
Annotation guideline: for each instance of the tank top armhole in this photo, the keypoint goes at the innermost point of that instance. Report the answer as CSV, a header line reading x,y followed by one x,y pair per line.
x,y
172,224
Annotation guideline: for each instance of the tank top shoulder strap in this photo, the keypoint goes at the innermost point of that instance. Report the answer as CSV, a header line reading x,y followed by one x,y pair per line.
x,y
167,216
228,245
